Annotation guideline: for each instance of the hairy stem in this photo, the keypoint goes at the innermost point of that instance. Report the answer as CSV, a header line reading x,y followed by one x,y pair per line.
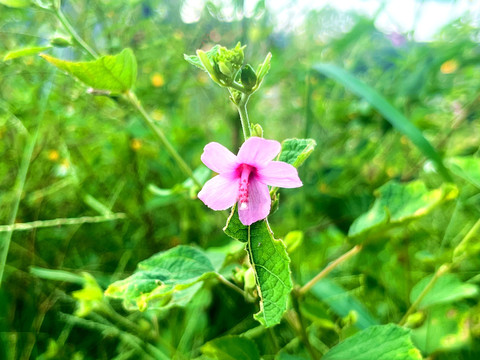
x,y
305,288
242,111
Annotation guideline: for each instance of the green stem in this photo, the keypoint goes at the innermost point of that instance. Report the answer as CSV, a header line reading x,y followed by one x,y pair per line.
x,y
460,250
18,191
61,222
230,285
6,239
441,271
329,268
301,322
242,111
66,24
132,98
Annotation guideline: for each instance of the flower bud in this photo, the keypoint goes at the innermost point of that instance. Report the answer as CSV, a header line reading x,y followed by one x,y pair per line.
x,y
256,130
248,77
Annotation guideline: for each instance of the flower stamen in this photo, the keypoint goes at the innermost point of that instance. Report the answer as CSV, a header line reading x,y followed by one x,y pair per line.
x,y
243,186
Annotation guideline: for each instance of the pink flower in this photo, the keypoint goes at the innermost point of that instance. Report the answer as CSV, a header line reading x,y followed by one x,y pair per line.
x,y
245,177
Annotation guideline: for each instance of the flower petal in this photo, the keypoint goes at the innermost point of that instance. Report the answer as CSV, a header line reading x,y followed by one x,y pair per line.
x,y
257,151
279,173
258,206
218,158
219,193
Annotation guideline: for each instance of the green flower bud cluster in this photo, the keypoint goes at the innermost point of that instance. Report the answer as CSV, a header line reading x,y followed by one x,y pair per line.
x,y
226,68
227,62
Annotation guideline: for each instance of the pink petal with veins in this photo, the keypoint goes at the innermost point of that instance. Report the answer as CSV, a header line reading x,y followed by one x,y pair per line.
x,y
258,152
219,193
258,205
218,158
279,173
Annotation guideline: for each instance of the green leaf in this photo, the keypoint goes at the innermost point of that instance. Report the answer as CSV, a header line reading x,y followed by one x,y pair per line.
x,y
57,275
14,54
342,302
262,70
380,342
446,328
447,289
234,227
165,279
270,262
195,60
115,73
398,203
296,151
15,3
467,167
201,173
293,240
399,121
231,348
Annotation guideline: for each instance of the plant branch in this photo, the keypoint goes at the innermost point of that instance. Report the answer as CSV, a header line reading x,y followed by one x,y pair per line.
x,y
230,285
60,222
305,288
132,98
441,271
70,29
301,325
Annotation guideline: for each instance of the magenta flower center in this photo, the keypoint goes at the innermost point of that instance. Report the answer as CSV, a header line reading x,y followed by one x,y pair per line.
x,y
245,172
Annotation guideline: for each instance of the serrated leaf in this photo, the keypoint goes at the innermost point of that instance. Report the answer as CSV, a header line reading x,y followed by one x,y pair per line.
x,y
115,73
296,151
15,3
165,279
234,227
270,262
447,289
14,54
467,167
380,342
231,348
397,203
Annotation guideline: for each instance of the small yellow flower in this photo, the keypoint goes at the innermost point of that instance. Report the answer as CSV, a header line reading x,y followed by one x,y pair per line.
x,y
53,155
158,80
449,67
135,144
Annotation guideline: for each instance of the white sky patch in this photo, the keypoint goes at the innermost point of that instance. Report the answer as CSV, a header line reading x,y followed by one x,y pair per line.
x,y
401,16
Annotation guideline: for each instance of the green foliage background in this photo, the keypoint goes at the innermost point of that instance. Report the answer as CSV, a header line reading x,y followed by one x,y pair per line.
x,y
94,155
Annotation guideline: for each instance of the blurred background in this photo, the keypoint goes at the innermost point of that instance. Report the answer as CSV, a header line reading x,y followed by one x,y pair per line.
x,y
94,156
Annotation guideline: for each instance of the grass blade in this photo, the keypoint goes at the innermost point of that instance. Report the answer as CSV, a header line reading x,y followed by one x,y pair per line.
x,y
398,121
